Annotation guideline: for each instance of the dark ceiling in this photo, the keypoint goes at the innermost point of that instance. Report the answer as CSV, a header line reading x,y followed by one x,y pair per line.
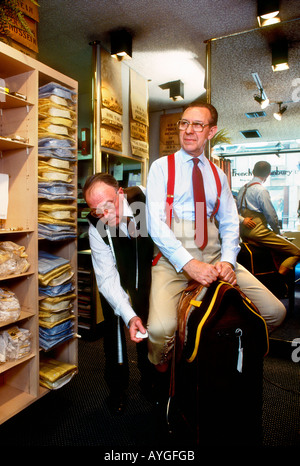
x,y
169,44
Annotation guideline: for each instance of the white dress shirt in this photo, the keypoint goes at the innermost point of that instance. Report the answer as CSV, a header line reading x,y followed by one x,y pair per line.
x,y
106,272
258,199
183,207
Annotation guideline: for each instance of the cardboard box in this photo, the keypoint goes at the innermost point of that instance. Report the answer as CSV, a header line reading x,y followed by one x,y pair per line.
x,y
29,9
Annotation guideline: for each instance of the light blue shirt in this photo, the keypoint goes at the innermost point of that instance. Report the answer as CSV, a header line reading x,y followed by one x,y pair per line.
x,y
257,198
183,207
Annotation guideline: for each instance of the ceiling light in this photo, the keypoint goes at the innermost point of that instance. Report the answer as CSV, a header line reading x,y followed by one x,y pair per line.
x,y
280,56
176,89
262,99
267,12
280,112
121,44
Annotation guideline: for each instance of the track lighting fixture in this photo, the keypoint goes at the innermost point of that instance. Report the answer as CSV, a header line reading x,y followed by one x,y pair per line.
x,y
280,112
267,12
280,56
262,99
176,89
121,44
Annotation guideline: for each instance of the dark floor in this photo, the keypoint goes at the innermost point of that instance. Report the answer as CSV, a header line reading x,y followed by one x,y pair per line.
x,y
77,414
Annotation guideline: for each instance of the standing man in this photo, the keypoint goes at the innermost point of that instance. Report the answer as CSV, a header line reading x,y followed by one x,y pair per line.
x,y
257,214
183,257
121,255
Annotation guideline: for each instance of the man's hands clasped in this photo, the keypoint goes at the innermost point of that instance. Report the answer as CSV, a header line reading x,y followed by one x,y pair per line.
x,y
206,274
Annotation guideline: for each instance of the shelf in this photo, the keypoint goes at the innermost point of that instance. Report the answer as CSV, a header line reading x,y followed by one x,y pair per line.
x,y
10,101
13,400
23,315
8,145
14,231
19,379
10,364
17,275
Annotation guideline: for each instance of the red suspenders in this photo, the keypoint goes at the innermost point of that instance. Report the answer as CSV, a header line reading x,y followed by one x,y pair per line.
x,y
170,194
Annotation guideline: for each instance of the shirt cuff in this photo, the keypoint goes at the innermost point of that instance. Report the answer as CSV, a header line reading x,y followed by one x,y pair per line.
x,y
179,258
126,312
231,258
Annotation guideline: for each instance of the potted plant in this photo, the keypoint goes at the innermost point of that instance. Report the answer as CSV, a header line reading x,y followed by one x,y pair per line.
x,y
10,12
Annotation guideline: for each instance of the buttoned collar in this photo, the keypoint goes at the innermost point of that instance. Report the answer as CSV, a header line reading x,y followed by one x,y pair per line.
x,y
186,157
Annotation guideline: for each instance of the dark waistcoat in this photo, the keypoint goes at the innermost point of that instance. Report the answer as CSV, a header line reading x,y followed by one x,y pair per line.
x,y
133,254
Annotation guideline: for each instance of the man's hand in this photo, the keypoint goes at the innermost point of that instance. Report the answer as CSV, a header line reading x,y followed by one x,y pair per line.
x,y
203,273
226,272
135,325
248,222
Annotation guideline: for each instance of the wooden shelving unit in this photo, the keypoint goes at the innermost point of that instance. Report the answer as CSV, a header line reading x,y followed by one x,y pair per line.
x,y
90,314
19,379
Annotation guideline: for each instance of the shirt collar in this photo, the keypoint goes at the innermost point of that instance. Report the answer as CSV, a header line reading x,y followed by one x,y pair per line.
x,y
127,211
187,157
255,179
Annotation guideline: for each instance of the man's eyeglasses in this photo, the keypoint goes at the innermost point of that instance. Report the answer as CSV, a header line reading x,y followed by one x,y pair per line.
x,y
197,126
104,209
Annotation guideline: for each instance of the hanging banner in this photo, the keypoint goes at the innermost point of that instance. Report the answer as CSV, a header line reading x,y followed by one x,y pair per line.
x,y
111,83
111,102
140,148
111,138
139,115
139,98
169,136
110,118
139,131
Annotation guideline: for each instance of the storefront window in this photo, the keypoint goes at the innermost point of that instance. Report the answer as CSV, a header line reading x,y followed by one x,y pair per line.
x,y
283,183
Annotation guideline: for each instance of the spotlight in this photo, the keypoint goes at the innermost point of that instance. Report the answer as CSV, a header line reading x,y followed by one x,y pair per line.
x,y
176,89
121,44
280,56
267,12
262,99
280,112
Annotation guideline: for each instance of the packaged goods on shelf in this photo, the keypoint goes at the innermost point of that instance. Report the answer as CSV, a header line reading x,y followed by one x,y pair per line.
x,y
57,118
56,220
47,128
13,259
57,303
15,343
56,291
57,129
58,213
49,172
55,89
50,109
9,305
50,337
56,191
55,374
53,270
60,148
56,232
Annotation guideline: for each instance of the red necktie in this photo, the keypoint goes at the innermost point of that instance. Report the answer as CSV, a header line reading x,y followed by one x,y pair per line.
x,y
200,206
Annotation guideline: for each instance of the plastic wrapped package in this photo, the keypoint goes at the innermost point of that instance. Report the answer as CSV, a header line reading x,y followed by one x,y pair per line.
x,y
13,259
17,343
55,374
9,305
